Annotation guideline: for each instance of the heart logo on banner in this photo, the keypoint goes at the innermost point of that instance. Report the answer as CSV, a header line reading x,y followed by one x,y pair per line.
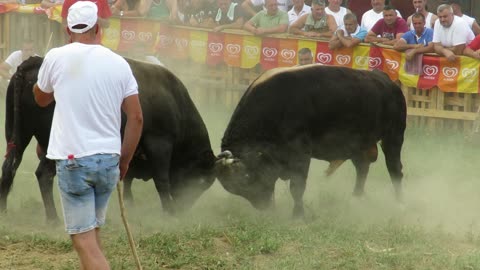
x,y
288,54
361,61
469,73
181,42
145,36
269,52
449,72
324,58
215,47
251,50
392,64
233,48
164,41
374,62
430,70
343,59
128,35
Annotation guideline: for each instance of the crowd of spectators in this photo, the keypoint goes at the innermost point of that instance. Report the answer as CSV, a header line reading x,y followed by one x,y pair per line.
x,y
445,31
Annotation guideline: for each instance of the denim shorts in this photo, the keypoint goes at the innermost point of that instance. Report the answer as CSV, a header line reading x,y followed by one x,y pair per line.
x,y
85,186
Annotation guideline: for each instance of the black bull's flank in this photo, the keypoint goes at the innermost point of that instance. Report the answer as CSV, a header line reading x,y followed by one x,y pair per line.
x,y
174,148
288,116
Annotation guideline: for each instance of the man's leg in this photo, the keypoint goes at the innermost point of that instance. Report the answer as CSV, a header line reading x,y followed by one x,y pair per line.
x,y
88,249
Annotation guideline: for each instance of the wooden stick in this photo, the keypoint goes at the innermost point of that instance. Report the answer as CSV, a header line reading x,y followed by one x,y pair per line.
x,y
127,227
48,43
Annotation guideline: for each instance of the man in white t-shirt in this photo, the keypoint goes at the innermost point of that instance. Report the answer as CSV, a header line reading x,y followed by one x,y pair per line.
x,y
9,66
337,11
299,8
249,6
450,34
371,17
85,139
457,11
421,7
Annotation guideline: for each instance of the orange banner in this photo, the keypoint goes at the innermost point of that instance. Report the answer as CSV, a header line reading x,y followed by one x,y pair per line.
x,y
233,49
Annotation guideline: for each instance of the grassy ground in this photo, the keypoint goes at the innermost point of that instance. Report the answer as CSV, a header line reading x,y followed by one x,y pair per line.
x,y
436,228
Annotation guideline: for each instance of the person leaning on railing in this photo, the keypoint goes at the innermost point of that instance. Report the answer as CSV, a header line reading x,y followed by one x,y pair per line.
x,y
229,15
317,24
389,29
418,40
473,49
269,21
200,13
349,35
451,34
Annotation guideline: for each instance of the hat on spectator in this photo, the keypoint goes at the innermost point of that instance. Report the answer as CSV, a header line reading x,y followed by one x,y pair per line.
x,y
82,13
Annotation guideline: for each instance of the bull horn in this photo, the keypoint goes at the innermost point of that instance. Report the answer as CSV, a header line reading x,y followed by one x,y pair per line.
x,y
225,154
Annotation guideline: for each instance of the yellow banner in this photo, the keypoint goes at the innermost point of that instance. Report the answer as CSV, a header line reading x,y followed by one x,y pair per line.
x,y
467,81
198,46
361,57
251,49
111,35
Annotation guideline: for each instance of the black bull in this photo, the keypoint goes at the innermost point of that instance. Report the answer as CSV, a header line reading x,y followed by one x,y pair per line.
x,y
174,148
288,116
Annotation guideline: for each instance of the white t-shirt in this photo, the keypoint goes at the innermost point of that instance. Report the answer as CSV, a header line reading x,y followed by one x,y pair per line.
x,y
338,15
370,17
293,16
458,33
282,4
468,19
89,83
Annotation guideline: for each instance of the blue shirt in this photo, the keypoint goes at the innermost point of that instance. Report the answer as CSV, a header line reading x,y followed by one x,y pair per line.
x,y
411,38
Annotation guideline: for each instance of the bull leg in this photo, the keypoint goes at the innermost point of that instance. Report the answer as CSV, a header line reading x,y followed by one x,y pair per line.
x,y
297,186
362,166
13,158
394,166
159,150
127,190
45,173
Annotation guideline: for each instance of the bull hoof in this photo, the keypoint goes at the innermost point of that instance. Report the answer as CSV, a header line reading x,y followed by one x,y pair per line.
x,y
298,213
358,193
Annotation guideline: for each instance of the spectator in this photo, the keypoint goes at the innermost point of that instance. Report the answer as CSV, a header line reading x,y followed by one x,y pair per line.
x,y
317,24
129,8
229,16
201,14
9,66
251,6
299,8
359,7
158,9
418,40
451,34
421,7
350,34
104,14
85,139
269,21
305,57
337,11
371,17
473,49
389,29
46,4
457,11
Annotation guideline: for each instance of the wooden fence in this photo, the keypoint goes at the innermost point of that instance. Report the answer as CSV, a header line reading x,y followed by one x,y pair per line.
x,y
224,85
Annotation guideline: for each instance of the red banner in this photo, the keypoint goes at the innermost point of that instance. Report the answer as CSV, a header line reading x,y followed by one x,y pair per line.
x,y
324,54
376,60
215,49
429,78
269,55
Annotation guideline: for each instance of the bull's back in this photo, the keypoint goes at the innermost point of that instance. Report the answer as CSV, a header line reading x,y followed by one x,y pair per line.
x,y
333,107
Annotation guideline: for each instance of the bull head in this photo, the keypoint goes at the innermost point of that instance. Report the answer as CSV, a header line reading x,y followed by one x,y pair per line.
x,y
247,177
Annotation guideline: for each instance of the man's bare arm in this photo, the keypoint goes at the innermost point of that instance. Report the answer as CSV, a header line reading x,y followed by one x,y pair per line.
x,y
43,99
133,131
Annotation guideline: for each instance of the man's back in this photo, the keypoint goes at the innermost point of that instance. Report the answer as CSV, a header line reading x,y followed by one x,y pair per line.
x,y
90,83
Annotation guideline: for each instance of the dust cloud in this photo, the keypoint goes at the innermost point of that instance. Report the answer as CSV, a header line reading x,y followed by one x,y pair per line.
x,y
441,185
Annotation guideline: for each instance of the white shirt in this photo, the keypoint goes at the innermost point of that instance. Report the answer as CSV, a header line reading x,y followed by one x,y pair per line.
x,y
282,4
89,83
458,33
338,15
468,19
293,16
370,17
